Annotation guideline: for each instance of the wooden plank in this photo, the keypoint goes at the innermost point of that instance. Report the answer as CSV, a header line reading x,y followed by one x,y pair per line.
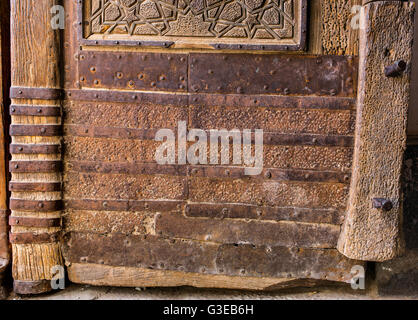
x,y
370,233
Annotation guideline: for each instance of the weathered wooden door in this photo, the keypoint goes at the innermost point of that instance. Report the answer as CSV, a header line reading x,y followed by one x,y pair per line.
x,y
122,70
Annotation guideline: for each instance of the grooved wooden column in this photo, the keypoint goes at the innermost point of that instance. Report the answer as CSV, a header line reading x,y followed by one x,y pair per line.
x,y
370,233
36,146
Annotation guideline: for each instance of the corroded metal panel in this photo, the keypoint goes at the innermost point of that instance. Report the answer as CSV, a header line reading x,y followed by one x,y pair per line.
x,y
233,24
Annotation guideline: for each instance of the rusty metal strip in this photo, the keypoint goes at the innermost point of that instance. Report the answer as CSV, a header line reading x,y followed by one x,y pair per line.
x,y
106,132
31,287
270,174
35,130
31,110
127,168
35,222
273,101
35,149
269,137
273,74
35,166
35,205
209,171
124,205
123,96
34,186
134,70
28,237
308,140
242,211
35,93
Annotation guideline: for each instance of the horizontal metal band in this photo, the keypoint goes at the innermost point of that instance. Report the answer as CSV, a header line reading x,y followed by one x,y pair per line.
x,y
231,100
273,101
123,96
35,130
35,93
31,287
270,138
29,237
35,166
34,186
124,205
127,168
35,222
221,172
242,211
31,110
129,43
35,149
270,174
34,205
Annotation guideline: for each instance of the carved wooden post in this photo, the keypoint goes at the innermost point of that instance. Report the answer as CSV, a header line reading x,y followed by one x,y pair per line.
x,y
36,136
372,229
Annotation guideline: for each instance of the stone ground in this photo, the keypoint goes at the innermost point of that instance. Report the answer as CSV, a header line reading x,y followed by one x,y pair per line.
x,y
83,292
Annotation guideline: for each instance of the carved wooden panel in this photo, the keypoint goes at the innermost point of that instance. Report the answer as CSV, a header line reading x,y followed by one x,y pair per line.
x,y
252,24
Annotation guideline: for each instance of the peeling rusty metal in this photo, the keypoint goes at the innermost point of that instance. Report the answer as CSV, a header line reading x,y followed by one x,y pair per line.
x,y
124,96
32,110
28,237
47,130
35,149
241,211
34,222
35,205
125,205
35,93
134,71
34,186
35,166
273,74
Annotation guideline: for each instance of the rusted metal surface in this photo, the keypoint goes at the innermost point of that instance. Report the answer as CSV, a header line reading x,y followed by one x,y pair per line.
x,y
35,149
381,203
134,71
255,232
269,174
125,205
31,110
308,140
240,211
28,237
35,166
35,130
34,222
36,206
107,132
35,93
273,74
34,186
189,256
132,97
32,287
272,101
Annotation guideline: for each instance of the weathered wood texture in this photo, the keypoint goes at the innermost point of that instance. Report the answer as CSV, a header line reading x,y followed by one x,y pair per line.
x,y
4,85
369,233
35,64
